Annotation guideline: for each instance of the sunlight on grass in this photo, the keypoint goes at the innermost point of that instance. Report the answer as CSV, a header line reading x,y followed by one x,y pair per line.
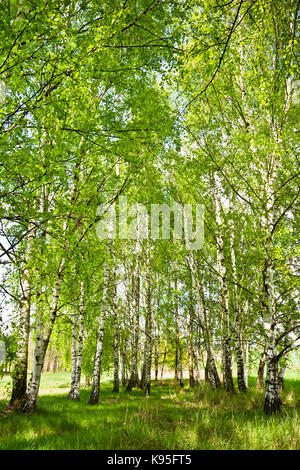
x,y
191,419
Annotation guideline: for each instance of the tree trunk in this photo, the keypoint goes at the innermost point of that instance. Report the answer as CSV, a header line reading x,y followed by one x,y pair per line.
x,y
163,361
148,324
44,333
190,344
116,387
73,352
272,403
196,360
48,361
191,366
281,377
133,380
247,364
94,395
41,345
237,313
261,371
206,370
143,370
156,360
123,369
76,392
223,292
19,374
202,318
157,344
178,354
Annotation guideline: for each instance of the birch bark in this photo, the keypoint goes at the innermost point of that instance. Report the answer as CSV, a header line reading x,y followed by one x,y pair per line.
x,y
115,306
178,361
73,351
149,329
76,391
94,395
133,380
20,370
237,313
223,291
202,318
45,328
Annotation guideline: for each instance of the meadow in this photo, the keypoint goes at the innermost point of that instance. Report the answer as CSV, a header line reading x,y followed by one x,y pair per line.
x,y
170,418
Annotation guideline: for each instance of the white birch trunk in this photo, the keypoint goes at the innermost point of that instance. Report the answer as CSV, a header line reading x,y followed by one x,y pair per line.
x,y
73,352
20,369
223,291
202,317
115,306
76,390
148,332
133,380
247,364
42,341
237,315
94,396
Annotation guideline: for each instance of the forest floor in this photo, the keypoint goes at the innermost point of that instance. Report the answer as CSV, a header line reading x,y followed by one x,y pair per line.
x,y
170,419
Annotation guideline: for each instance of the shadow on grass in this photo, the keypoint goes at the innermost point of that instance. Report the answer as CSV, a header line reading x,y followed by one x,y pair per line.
x,y
193,419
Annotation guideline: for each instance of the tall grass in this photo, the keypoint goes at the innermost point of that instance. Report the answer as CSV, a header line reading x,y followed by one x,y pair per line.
x,y
170,419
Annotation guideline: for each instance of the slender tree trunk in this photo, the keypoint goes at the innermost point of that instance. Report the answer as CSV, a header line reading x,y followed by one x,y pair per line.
x,y
281,376
237,314
45,330
94,395
247,364
49,354
190,344
143,371
148,332
196,366
20,369
156,341
76,393
223,292
178,356
206,370
202,318
116,387
73,352
191,367
261,371
163,361
55,364
176,340
196,357
41,345
156,360
123,369
133,380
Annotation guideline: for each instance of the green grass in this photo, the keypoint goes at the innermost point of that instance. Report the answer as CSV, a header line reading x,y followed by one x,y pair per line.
x,y
169,419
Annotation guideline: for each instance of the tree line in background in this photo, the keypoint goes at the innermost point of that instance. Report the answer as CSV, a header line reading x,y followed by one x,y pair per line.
x,y
165,102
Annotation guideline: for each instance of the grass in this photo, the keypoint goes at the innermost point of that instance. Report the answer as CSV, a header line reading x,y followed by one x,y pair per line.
x,y
170,419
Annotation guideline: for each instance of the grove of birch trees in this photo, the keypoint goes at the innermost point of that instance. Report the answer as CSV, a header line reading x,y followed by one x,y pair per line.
x,y
161,102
